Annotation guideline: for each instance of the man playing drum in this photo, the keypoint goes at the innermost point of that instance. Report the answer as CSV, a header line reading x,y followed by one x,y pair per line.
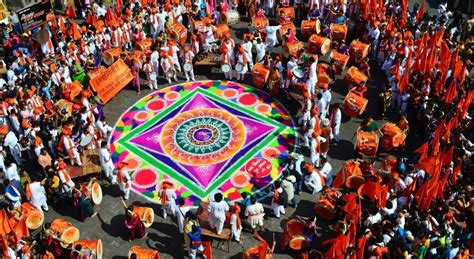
x,y
188,67
226,62
150,74
168,68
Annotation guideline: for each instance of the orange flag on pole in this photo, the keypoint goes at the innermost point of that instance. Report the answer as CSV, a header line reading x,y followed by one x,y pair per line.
x,y
69,12
450,93
421,12
5,227
21,230
75,31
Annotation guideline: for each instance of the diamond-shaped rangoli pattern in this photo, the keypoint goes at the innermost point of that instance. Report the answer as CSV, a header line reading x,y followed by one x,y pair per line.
x,y
206,137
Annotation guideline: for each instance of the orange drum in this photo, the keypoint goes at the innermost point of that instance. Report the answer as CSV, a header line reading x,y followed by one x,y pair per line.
x,y
93,191
392,137
325,208
34,217
293,48
260,24
338,32
286,13
367,143
93,245
354,104
143,253
146,214
144,45
260,75
310,27
323,76
355,78
350,175
358,50
179,33
198,26
110,56
137,56
340,60
318,45
65,231
294,237
284,28
222,29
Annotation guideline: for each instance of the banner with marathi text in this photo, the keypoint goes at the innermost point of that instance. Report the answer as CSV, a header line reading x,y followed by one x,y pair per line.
x,y
111,80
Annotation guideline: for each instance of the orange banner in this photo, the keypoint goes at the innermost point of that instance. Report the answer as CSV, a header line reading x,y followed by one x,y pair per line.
x,y
111,80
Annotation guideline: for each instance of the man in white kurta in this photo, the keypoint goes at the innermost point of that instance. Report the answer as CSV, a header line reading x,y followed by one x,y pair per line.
x,y
180,212
124,180
217,209
169,205
66,181
271,38
106,162
314,181
38,195
312,77
255,214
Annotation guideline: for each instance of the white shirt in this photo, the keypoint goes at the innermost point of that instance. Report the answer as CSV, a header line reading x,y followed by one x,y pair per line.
x,y
314,179
260,48
218,209
12,173
326,170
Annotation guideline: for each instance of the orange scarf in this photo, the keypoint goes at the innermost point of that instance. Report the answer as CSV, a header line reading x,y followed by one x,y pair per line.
x,y
120,176
163,195
66,175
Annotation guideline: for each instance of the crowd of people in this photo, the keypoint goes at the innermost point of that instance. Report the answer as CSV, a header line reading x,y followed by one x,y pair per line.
x,y
419,205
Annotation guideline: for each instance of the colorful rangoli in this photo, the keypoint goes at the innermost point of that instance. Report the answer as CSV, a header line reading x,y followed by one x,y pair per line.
x,y
205,137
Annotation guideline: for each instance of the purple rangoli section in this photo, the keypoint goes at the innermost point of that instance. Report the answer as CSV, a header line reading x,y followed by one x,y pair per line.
x,y
150,141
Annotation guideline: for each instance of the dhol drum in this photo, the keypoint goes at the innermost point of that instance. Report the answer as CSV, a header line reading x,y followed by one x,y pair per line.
x,y
179,33
323,75
187,66
239,67
260,75
340,61
93,191
367,143
294,236
358,50
326,206
260,24
284,28
350,169
393,136
338,32
143,253
198,25
310,27
110,56
355,78
298,72
34,216
286,14
318,45
170,73
93,245
65,231
225,68
354,104
231,17
146,214
293,48
144,45
221,30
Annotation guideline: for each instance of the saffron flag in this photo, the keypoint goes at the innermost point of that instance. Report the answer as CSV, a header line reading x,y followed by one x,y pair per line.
x,y
421,12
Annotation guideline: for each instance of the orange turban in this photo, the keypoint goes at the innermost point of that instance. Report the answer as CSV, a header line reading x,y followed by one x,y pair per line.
x,y
66,131
3,129
206,21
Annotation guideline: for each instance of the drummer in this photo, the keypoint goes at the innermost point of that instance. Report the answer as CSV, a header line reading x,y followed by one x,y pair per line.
x,y
312,76
242,59
133,223
188,57
168,67
247,45
168,197
151,77
226,60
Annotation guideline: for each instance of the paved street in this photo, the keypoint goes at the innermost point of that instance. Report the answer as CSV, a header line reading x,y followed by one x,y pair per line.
x,y
163,234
